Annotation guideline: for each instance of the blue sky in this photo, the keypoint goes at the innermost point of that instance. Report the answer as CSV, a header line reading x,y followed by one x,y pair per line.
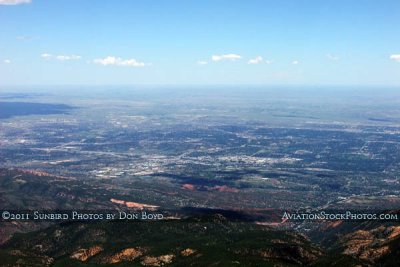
x,y
296,42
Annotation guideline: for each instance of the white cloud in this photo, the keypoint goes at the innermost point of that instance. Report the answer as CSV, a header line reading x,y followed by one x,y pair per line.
x,y
295,62
231,57
202,62
332,57
395,57
26,37
255,60
46,56
110,60
268,61
7,61
14,2
65,58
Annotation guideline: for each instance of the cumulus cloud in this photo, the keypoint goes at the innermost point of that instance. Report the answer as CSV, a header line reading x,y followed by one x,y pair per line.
x,y
65,58
332,57
202,62
231,57
268,61
26,37
48,56
7,61
255,60
295,62
395,57
110,60
14,2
